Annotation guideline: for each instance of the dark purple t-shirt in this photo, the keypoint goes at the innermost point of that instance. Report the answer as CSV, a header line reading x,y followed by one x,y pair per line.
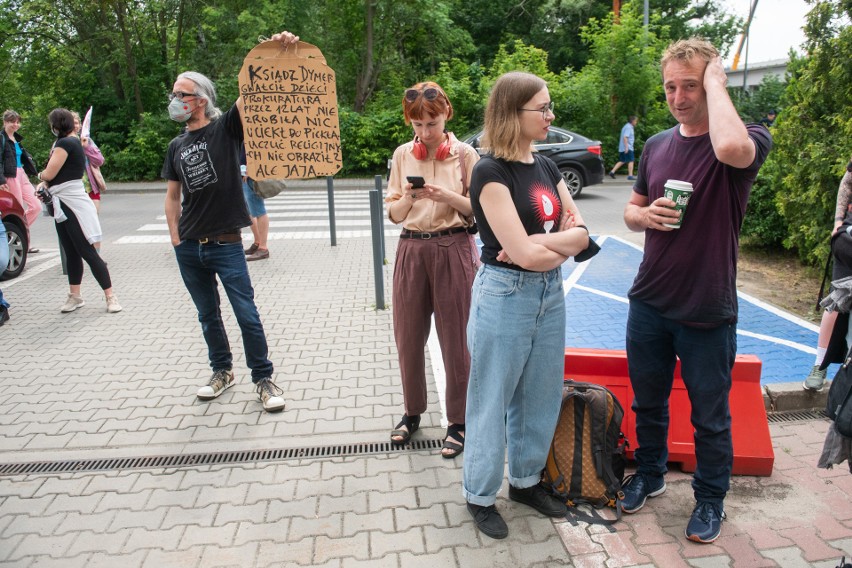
x,y
533,190
689,274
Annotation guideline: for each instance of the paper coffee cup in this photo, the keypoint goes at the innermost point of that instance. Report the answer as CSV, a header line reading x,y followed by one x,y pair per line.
x,y
679,192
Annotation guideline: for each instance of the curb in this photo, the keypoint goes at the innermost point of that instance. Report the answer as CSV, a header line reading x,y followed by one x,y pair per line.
x,y
786,397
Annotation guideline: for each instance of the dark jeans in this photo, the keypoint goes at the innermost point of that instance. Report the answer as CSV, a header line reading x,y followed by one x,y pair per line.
x,y
707,357
199,266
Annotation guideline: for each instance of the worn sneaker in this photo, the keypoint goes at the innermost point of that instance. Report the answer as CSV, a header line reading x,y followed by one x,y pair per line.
x,y
488,520
252,249
221,380
815,380
612,175
539,499
72,303
631,178
270,395
112,304
705,524
4,314
637,488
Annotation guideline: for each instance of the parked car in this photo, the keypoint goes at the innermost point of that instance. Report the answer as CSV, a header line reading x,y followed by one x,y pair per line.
x,y
17,234
578,158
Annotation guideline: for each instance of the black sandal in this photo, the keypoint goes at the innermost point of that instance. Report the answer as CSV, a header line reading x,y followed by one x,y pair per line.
x,y
453,431
412,423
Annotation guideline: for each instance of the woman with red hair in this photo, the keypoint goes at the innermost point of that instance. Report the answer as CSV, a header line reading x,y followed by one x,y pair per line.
x,y
435,262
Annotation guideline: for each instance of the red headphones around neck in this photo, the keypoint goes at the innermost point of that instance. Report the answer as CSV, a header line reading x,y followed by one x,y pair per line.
x,y
421,152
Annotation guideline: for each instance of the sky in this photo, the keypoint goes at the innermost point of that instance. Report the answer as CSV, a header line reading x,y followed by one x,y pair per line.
x,y
775,28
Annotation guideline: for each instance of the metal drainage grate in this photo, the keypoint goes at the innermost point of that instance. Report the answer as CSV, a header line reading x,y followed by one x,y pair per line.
x,y
796,416
213,458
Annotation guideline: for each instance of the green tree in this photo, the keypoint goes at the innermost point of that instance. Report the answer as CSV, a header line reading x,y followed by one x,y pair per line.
x,y
812,133
621,79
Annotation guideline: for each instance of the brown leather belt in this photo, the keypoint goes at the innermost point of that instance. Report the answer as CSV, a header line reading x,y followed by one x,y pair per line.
x,y
220,239
406,234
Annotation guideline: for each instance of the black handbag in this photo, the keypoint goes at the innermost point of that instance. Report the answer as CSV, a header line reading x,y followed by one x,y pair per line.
x,y
29,164
839,404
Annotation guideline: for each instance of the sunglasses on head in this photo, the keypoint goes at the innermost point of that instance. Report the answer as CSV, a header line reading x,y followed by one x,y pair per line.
x,y
429,93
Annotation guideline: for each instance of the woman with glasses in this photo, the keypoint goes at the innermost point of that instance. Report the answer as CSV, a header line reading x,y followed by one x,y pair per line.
x,y
61,186
435,259
529,226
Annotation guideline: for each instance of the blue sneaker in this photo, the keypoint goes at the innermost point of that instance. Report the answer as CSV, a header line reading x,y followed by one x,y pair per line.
x,y
637,488
705,524
631,178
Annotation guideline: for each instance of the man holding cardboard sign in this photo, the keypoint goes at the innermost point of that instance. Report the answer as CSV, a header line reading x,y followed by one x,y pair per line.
x,y
205,211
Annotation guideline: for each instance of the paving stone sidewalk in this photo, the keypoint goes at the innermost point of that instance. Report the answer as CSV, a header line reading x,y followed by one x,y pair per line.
x,y
90,384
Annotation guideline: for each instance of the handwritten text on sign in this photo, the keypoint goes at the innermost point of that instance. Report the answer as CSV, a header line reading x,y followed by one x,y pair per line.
x,y
290,117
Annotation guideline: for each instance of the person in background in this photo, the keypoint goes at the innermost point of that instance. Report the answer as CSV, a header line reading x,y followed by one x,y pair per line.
x,y
95,184
205,210
259,217
435,262
76,218
841,252
625,147
529,226
683,302
769,119
17,165
4,262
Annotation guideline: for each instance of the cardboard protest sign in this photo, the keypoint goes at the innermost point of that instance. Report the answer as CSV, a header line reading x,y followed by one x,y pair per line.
x,y
290,117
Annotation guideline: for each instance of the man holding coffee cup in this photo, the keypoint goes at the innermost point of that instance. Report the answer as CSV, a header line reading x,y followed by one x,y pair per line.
x,y
683,302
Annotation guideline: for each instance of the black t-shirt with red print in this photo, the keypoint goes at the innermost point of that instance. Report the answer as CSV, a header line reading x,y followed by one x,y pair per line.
x,y
533,190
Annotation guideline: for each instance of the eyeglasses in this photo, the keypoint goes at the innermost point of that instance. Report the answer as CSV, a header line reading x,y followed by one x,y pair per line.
x,y
181,95
548,108
430,94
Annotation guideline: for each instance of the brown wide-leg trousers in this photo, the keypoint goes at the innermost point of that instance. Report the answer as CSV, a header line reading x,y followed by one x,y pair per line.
x,y
433,276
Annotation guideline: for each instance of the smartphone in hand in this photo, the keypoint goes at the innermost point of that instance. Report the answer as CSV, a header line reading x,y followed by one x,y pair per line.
x,y
416,181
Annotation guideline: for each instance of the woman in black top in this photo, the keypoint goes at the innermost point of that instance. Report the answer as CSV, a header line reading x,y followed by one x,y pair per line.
x,y
61,186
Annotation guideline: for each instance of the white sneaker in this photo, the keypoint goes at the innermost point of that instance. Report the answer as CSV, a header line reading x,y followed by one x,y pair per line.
x,y
112,304
72,303
270,395
221,380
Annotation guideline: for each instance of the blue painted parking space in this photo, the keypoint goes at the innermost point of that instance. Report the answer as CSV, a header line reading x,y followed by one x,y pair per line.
x,y
596,315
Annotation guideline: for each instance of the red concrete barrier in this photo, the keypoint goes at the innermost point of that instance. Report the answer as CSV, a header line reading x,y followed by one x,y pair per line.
x,y
753,454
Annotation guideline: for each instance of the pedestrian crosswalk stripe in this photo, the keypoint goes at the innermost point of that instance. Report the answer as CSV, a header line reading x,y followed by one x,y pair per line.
x,y
293,215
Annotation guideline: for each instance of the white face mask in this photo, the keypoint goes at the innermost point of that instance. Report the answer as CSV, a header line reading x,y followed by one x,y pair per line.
x,y
179,111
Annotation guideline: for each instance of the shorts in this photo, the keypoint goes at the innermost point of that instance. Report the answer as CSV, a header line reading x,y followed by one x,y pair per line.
x,y
625,157
256,206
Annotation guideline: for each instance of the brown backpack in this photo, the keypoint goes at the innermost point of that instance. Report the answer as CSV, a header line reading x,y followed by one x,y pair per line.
x,y
588,453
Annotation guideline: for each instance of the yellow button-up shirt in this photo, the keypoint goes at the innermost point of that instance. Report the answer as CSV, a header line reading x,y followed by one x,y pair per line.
x,y
426,215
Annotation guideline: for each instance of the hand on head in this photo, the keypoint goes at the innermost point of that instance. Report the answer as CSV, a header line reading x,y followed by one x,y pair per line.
x,y
714,74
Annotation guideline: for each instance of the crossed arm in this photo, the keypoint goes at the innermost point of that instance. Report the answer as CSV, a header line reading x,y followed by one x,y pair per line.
x,y
538,252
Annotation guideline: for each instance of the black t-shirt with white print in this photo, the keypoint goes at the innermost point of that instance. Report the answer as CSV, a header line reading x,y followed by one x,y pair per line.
x,y
533,190
206,162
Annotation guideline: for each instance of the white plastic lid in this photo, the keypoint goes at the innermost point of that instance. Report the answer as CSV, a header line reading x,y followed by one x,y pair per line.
x,y
677,184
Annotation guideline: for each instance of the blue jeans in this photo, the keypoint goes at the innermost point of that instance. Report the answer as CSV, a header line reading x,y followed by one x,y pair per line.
x,y
706,359
256,206
199,266
516,337
4,259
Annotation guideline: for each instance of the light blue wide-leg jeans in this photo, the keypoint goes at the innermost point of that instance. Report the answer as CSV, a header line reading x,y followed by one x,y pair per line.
x,y
516,337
